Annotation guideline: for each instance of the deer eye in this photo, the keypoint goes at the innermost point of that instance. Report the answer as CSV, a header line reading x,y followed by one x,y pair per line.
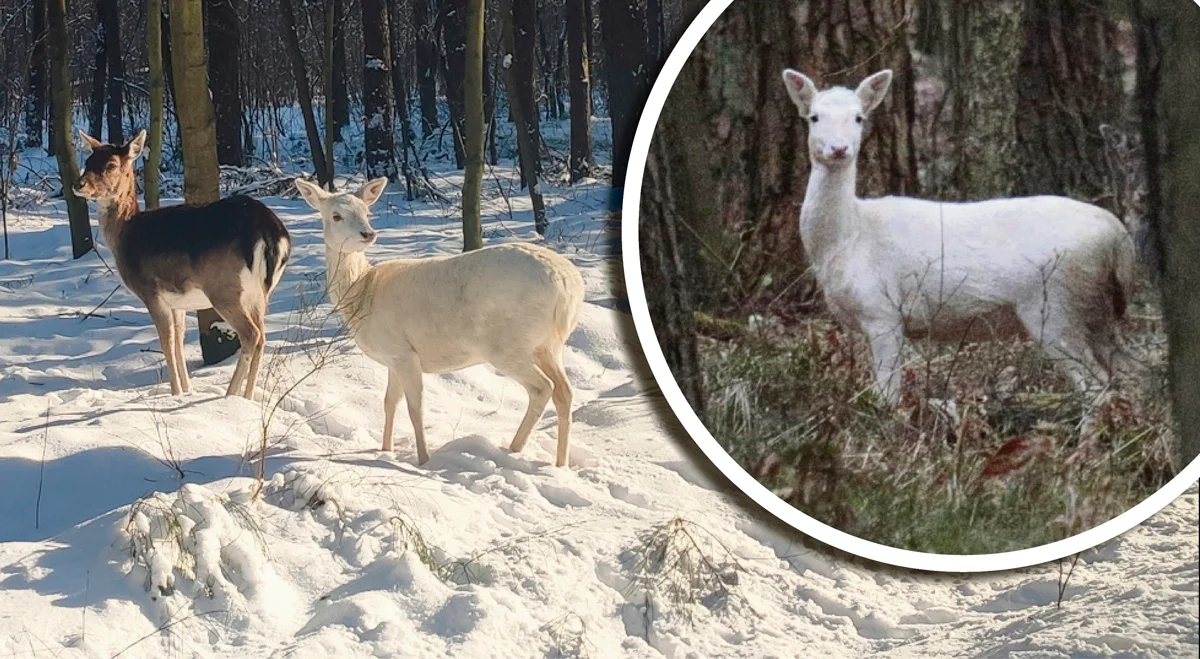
x,y
813,119
110,166
859,118
337,217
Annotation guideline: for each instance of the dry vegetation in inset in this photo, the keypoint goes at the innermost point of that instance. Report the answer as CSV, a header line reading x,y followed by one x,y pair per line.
x,y
987,451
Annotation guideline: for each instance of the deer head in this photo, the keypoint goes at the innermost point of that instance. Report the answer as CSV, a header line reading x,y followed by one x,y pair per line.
x,y
108,170
835,116
345,216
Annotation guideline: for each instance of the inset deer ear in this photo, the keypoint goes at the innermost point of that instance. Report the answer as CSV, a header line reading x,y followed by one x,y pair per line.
x,y
800,89
135,147
372,190
312,193
873,90
89,143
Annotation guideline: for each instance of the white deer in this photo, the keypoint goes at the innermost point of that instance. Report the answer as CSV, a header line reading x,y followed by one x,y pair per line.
x,y
512,306
1048,268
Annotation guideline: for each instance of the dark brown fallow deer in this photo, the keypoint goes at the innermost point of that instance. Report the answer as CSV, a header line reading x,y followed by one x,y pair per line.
x,y
228,255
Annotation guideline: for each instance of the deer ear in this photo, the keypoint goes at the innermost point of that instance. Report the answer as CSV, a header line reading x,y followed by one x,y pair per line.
x,y
372,190
134,148
88,143
313,194
874,89
800,88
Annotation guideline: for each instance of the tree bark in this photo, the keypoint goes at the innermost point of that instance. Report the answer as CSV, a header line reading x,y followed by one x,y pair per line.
x,y
735,146
625,57
35,101
379,142
99,68
303,91
154,135
60,118
473,126
987,42
327,82
341,91
426,57
579,87
454,37
1068,85
1168,98
400,97
198,137
519,23
223,29
116,70
654,37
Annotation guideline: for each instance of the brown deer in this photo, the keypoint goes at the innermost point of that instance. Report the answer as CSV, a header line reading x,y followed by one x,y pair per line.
x,y
228,255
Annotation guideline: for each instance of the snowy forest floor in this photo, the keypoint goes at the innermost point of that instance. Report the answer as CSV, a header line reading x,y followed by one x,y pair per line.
x,y
127,525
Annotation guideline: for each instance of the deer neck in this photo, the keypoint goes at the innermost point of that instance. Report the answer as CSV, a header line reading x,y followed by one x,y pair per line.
x,y
113,213
347,283
829,218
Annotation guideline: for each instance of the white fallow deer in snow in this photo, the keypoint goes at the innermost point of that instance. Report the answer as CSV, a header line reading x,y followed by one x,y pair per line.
x,y
228,255
1048,268
512,306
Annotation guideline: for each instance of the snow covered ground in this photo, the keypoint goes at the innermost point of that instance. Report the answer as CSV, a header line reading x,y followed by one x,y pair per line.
x,y
127,524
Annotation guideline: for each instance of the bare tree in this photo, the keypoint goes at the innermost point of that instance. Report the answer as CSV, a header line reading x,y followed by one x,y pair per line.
x,y
379,146
198,136
99,70
60,118
426,60
223,29
155,130
116,71
35,102
520,22
303,91
579,87
473,125
625,65
454,38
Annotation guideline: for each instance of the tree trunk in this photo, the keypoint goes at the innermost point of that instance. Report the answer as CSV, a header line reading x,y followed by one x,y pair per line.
x,y
579,86
198,137
454,37
35,101
155,129
116,71
426,56
665,276
60,118
341,92
473,126
303,91
986,53
379,142
327,90
737,149
1168,97
1068,85
99,68
400,97
654,37
624,64
520,22
223,29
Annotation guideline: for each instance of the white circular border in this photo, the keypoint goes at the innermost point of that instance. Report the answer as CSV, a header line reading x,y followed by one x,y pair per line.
x,y
732,470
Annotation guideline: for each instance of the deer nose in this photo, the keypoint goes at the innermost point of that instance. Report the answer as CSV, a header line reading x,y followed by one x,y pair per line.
x,y
368,236
840,151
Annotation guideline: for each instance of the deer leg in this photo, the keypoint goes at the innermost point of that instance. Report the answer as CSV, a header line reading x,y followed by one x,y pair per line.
x,y
409,376
165,324
179,320
539,387
257,351
391,400
550,361
248,335
886,344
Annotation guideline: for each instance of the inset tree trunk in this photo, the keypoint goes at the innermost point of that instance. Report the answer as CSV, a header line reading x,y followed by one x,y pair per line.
x,y
520,21
624,64
987,39
35,101
223,30
473,125
379,145
579,87
303,92
154,135
60,118
198,137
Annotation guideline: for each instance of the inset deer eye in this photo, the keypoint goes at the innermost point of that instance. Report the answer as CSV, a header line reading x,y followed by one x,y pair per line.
x,y
813,119
859,118
337,217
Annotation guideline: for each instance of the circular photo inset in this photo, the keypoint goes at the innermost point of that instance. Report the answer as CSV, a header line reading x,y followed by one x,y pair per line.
x,y
896,271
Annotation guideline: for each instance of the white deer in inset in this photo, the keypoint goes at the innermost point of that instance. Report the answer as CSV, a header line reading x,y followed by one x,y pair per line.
x,y
512,306
1052,269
